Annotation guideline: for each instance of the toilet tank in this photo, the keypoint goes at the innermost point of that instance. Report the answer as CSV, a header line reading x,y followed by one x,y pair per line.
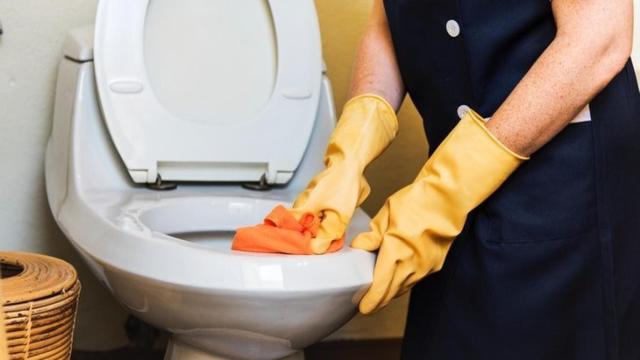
x,y
81,156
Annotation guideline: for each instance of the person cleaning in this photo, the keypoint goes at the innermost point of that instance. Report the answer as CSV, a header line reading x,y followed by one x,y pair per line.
x,y
527,212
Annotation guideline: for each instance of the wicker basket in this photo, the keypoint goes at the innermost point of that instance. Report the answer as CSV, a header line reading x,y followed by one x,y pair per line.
x,y
39,297
3,340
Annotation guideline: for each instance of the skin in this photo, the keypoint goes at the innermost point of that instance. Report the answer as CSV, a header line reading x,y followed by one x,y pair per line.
x,y
592,45
375,69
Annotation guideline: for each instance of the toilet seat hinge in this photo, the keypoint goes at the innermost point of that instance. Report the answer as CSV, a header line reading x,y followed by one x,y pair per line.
x,y
261,185
161,186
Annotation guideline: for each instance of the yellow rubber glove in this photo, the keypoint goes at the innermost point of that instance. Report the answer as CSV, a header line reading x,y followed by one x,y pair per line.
x,y
366,127
415,228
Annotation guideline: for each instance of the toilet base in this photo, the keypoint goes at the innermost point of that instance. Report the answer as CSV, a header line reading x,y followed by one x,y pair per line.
x,y
177,350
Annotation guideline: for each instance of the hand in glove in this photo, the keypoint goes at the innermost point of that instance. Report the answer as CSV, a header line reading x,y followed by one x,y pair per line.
x,y
367,126
415,228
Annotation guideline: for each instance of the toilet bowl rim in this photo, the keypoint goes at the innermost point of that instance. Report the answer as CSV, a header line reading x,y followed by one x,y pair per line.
x,y
114,247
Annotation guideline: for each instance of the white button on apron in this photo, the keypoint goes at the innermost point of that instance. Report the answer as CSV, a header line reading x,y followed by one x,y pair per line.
x,y
462,110
453,28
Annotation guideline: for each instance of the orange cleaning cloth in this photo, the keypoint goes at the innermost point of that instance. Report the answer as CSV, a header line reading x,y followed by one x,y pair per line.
x,y
281,233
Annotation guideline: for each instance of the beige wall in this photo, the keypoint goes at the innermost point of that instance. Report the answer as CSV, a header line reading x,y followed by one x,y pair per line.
x,y
29,52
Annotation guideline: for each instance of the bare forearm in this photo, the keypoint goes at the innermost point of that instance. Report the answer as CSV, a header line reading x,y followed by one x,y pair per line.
x,y
592,45
375,69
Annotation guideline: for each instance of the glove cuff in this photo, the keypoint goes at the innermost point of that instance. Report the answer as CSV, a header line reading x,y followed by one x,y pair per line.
x,y
480,122
384,112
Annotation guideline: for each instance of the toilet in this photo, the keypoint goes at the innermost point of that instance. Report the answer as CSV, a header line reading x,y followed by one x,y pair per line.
x,y
176,122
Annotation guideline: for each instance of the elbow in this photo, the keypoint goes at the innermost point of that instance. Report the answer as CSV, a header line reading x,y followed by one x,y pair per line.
x,y
599,33
614,55
611,55
606,52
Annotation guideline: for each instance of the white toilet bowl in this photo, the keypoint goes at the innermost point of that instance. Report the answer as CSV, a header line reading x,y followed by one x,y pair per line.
x,y
228,303
165,255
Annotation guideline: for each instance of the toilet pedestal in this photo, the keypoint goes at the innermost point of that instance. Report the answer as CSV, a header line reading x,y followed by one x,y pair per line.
x,y
180,351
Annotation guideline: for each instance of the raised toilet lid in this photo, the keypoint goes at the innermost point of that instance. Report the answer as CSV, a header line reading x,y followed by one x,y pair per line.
x,y
208,90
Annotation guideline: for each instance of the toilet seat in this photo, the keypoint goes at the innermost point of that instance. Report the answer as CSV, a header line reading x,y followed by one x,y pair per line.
x,y
155,143
146,226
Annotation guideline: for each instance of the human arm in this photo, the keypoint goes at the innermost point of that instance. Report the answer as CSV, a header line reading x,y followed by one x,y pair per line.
x,y
375,69
592,44
416,226
366,127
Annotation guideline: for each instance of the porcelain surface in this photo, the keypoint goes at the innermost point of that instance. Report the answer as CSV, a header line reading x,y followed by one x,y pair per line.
x,y
165,255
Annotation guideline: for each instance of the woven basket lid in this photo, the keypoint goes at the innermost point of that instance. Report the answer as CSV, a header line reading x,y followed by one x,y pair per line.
x,y
28,277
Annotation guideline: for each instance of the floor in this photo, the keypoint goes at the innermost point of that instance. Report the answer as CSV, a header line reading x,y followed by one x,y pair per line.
x,y
334,350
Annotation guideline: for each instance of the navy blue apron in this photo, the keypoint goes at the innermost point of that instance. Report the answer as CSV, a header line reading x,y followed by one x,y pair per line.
x,y
549,266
